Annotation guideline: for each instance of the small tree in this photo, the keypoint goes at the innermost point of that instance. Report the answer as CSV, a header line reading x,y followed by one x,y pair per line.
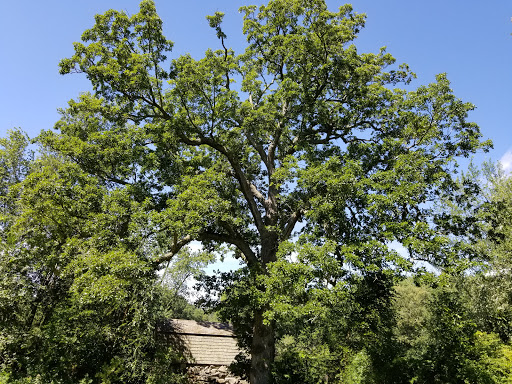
x,y
299,135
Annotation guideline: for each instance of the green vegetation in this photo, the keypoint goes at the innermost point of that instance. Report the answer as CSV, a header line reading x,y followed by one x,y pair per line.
x,y
306,160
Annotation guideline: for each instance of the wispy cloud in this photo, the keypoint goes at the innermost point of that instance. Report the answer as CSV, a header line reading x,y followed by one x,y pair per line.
x,y
506,161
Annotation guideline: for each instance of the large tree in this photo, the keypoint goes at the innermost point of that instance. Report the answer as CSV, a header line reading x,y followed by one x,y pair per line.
x,y
297,137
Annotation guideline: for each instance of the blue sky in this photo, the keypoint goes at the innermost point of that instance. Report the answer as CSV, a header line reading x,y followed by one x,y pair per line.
x,y
469,40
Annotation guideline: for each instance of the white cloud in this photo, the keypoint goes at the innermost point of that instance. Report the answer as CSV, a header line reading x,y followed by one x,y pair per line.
x,y
506,161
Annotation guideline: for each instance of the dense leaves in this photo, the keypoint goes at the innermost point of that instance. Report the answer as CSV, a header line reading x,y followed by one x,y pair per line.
x,y
79,300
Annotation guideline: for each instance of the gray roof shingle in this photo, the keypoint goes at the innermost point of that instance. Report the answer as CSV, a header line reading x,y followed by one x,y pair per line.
x,y
208,343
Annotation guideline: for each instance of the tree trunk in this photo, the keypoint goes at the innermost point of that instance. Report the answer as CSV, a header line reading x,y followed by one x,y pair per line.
x,y
263,350
263,342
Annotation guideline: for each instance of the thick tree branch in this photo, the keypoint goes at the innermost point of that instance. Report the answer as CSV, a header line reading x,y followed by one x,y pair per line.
x,y
277,136
248,189
241,244
258,147
175,248
290,224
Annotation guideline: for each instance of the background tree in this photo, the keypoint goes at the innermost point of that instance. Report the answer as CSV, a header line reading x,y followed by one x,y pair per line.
x,y
299,137
441,340
484,222
79,299
452,326
489,291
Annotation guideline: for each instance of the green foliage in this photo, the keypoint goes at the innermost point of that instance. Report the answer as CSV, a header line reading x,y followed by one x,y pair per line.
x,y
459,329
15,159
439,340
413,315
185,265
495,363
324,136
485,218
451,337
320,327
299,361
78,295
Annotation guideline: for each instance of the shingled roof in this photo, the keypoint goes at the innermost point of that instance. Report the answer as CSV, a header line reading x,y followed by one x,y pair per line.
x,y
207,343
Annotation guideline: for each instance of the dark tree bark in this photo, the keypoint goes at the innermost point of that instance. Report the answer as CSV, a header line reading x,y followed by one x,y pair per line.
x,y
263,351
